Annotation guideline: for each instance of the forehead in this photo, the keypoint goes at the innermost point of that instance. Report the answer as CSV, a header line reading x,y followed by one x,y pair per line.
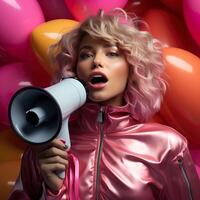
x,y
87,40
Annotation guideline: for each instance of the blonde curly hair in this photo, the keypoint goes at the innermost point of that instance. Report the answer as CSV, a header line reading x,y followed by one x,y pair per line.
x,y
146,84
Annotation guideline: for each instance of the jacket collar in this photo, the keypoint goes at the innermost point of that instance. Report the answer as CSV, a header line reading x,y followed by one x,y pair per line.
x,y
116,118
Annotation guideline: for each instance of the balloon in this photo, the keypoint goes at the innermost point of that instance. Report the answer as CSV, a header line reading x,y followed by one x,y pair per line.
x,y
195,153
81,9
9,171
18,18
157,118
11,146
138,7
174,5
15,76
6,58
168,28
191,10
49,33
2,127
55,9
181,108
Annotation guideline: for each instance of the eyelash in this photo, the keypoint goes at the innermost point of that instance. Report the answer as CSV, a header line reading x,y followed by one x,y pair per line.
x,y
84,55
113,54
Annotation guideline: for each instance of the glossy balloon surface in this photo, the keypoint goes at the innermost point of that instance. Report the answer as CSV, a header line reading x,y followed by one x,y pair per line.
x,y
47,34
15,76
17,19
191,10
84,8
181,104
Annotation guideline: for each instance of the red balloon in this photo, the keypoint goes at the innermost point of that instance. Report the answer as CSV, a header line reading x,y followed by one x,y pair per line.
x,y
55,9
181,108
168,28
174,5
81,9
137,7
157,118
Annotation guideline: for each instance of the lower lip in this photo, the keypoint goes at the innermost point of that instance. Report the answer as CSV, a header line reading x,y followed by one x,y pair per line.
x,y
97,86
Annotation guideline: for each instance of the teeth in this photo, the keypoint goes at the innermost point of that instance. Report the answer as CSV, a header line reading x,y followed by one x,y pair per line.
x,y
97,76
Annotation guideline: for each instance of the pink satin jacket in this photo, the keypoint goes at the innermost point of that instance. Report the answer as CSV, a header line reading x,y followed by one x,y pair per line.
x,y
119,158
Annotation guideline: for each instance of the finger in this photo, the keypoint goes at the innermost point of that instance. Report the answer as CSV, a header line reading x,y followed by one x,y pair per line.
x,y
53,168
53,160
54,143
51,152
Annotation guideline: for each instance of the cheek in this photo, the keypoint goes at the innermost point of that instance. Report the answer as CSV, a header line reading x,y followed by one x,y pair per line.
x,y
80,72
121,74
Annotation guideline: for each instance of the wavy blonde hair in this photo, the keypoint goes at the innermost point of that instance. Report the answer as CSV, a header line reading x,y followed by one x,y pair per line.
x,y
146,85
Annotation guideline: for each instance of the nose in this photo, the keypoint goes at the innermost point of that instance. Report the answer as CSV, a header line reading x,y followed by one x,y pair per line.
x,y
98,60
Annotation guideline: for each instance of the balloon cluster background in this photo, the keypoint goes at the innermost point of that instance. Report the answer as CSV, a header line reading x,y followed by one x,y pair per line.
x,y
29,27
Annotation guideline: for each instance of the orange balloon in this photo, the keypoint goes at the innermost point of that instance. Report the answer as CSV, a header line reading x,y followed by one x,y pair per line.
x,y
47,34
9,171
11,146
181,107
168,28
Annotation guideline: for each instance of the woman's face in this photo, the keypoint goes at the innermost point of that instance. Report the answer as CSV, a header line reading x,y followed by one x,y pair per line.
x,y
104,69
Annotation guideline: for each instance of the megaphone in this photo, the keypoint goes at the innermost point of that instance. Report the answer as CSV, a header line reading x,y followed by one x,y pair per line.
x,y
39,115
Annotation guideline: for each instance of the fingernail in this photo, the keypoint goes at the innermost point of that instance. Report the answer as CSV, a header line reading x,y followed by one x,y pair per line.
x,y
65,146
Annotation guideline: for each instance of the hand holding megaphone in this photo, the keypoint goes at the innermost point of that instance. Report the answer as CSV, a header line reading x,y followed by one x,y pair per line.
x,y
39,115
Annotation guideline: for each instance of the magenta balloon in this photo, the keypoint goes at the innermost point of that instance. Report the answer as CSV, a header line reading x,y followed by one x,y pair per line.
x,y
13,77
195,153
17,20
6,58
55,9
83,8
191,10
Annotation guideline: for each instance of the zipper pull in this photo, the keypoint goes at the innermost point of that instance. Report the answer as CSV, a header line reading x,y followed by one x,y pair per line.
x,y
101,115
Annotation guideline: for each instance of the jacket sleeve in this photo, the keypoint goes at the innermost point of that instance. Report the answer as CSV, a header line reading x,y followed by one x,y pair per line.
x,y
181,180
29,184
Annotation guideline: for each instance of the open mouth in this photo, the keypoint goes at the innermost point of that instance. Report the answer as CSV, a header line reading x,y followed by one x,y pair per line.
x,y
98,79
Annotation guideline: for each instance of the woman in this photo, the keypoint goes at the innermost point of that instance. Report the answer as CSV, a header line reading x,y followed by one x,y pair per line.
x,y
121,156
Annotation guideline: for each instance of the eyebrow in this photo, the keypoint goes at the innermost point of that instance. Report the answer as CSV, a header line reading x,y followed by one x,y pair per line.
x,y
86,47
108,45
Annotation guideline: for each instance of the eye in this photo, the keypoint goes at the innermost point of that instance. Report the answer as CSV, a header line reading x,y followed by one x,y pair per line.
x,y
113,54
85,55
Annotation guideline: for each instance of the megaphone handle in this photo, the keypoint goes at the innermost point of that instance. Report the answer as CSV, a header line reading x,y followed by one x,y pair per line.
x,y
64,133
64,136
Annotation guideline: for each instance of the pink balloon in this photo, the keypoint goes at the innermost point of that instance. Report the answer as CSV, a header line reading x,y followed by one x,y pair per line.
x,y
15,76
195,153
18,19
191,10
83,8
6,58
55,9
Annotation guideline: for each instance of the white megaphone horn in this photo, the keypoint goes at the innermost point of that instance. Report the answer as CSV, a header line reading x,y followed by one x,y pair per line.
x,y
39,115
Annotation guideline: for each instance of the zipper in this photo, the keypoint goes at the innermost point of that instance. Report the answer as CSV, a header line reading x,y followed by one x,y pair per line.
x,y
181,165
100,120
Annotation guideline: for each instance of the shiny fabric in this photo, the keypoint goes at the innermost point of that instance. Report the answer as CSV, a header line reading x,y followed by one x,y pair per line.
x,y
121,158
